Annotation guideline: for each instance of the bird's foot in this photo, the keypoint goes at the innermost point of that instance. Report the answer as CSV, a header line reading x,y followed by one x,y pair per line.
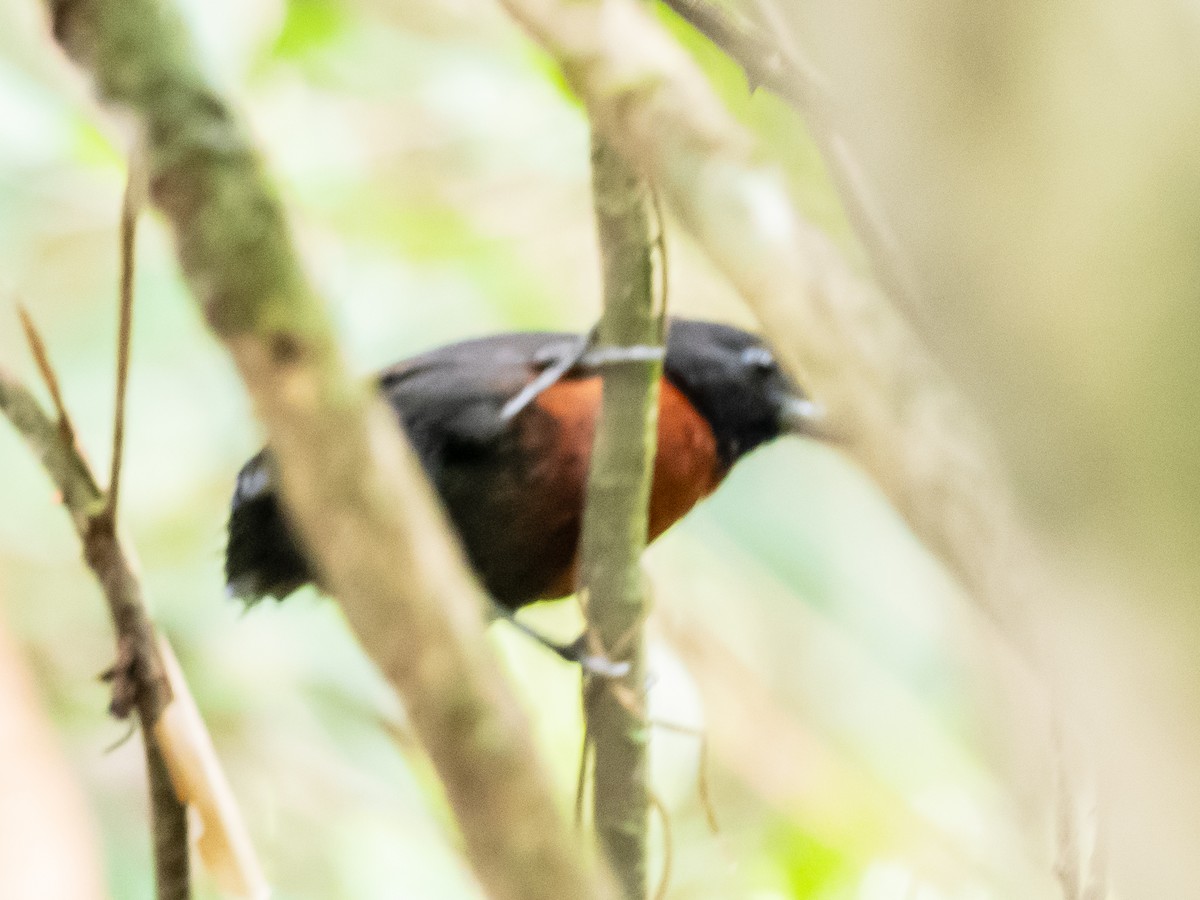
x,y
595,664
578,651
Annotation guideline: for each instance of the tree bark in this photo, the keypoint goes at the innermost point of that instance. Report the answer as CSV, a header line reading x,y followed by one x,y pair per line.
x,y
616,516
349,482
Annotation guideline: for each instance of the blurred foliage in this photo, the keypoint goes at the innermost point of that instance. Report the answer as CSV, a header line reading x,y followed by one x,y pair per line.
x,y
436,169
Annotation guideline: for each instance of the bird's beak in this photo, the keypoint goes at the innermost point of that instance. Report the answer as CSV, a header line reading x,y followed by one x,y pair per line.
x,y
801,416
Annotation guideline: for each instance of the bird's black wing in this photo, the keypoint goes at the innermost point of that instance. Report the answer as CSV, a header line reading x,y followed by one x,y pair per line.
x,y
448,401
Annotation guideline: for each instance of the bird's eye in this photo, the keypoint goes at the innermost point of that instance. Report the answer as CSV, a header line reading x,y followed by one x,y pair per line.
x,y
758,358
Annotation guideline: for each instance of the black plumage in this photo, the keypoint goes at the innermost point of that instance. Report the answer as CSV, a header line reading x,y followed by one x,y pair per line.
x,y
514,488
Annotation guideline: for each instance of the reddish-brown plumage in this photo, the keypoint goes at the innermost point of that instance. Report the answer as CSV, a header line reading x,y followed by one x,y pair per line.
x,y
513,481
687,467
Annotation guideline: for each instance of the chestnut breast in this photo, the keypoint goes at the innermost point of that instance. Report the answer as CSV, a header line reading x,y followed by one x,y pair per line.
x,y
687,467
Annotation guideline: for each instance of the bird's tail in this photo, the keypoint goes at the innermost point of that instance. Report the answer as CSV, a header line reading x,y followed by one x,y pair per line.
x,y
262,558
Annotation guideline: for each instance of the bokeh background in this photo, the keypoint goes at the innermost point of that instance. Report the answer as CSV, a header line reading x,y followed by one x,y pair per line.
x,y
860,737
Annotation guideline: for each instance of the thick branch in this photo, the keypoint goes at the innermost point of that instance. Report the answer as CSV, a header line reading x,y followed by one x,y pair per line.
x,y
349,482
615,519
896,413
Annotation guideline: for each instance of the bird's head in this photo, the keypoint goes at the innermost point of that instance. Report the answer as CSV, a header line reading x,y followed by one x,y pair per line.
x,y
735,382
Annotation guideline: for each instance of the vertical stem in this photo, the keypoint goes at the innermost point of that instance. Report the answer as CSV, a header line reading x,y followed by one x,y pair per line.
x,y
172,866
616,515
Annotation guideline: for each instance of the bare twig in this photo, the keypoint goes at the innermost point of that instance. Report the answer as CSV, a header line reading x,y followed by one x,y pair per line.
x,y
199,780
130,204
49,378
348,480
142,677
664,879
585,757
703,789
172,862
766,62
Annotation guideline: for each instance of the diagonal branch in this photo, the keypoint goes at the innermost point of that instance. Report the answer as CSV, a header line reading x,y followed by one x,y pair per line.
x,y
895,411
764,60
130,205
146,676
771,62
348,480
138,680
897,414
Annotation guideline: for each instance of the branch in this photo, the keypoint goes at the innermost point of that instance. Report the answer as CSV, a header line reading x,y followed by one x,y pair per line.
x,y
769,61
349,482
760,56
142,674
131,204
615,520
895,411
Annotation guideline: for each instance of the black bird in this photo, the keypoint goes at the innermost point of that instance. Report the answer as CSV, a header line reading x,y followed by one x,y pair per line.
x,y
512,475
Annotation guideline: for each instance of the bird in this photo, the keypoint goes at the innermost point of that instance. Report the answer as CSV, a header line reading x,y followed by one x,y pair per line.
x,y
503,427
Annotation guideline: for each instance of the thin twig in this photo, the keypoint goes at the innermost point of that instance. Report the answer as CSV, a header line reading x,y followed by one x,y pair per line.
x,y
664,880
141,679
703,789
40,357
664,268
130,205
137,675
168,810
764,61
586,754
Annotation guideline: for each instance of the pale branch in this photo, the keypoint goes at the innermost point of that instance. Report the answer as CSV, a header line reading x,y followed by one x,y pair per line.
x,y
769,61
760,56
895,411
891,405
349,482
142,676
616,516
182,767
